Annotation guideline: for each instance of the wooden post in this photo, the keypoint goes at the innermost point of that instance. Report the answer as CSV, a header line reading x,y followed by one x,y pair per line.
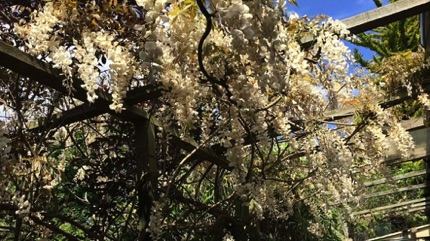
x,y
146,174
425,41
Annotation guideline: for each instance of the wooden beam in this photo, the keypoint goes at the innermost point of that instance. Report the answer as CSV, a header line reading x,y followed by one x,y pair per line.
x,y
418,209
396,190
395,178
42,72
416,155
87,110
398,98
394,207
29,66
413,124
379,17
421,138
397,235
147,173
386,14
141,94
79,113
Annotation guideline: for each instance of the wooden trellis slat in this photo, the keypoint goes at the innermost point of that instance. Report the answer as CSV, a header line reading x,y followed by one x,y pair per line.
x,y
395,207
398,98
419,208
35,69
78,113
88,110
396,190
395,178
380,16
386,14
421,137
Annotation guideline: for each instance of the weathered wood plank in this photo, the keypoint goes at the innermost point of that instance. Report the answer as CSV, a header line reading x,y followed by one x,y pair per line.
x,y
395,178
380,16
147,172
413,124
79,113
421,232
396,190
386,14
421,206
87,110
418,209
141,94
29,66
421,138
395,207
398,98
416,155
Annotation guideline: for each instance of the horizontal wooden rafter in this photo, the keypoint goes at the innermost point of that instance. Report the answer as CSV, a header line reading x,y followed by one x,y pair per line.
x,y
380,16
386,14
397,235
395,207
395,178
78,113
398,98
87,110
421,137
396,190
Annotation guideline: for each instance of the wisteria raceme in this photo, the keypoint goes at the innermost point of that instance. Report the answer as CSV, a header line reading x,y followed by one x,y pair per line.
x,y
42,38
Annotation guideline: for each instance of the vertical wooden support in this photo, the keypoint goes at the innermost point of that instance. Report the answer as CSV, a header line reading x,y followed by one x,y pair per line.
x,y
425,33
425,41
146,173
18,225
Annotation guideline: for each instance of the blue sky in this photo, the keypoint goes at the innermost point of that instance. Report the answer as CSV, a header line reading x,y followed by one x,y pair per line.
x,y
337,9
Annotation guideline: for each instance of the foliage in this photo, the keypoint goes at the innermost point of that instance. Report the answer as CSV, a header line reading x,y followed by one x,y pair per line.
x,y
233,81
400,36
398,64
398,59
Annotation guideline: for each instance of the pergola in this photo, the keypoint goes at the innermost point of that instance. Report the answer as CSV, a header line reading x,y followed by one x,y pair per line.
x,y
145,124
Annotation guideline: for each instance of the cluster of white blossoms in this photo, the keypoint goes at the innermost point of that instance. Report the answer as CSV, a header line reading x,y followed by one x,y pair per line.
x,y
4,141
43,35
228,237
119,63
405,70
266,79
40,39
261,82
23,205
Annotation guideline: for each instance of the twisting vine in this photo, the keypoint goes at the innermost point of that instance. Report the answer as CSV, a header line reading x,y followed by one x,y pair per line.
x,y
208,29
